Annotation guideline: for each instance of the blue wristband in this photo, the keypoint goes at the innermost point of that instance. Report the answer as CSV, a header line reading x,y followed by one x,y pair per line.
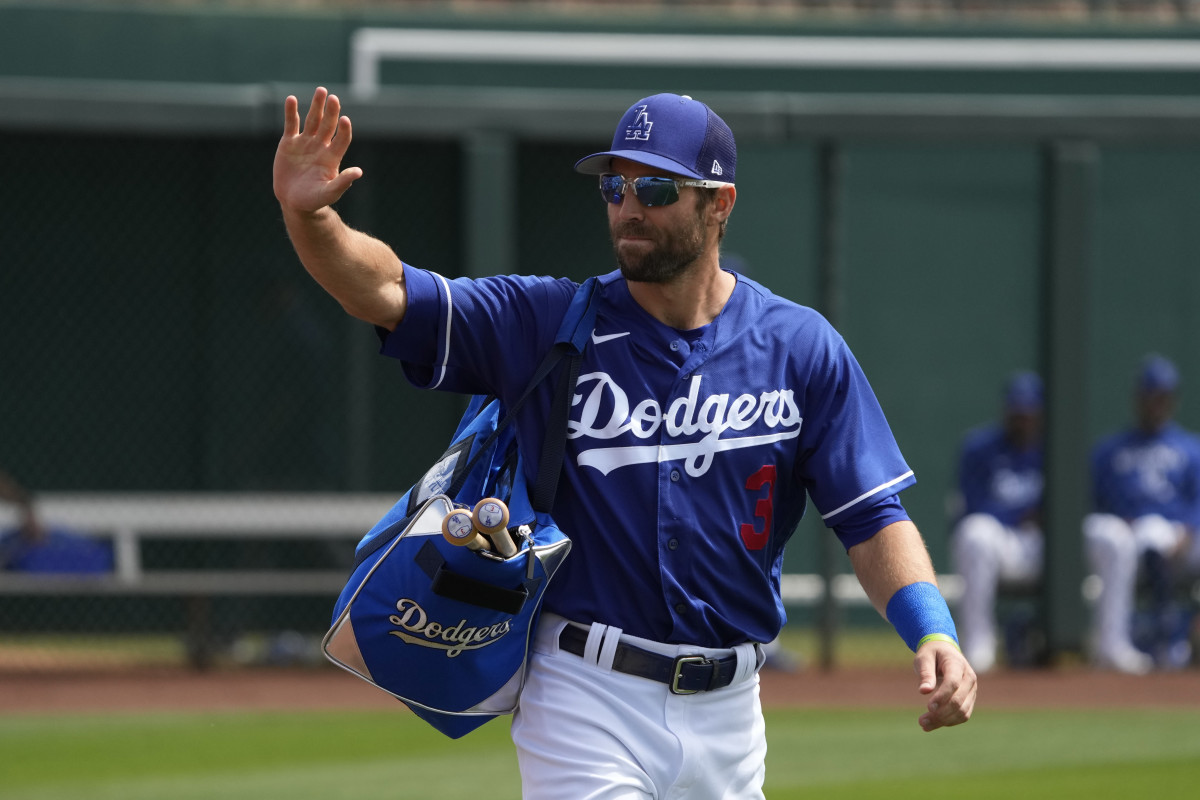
x,y
918,610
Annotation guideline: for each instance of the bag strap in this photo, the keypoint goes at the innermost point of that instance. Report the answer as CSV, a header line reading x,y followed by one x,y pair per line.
x,y
577,324
570,340
538,376
554,445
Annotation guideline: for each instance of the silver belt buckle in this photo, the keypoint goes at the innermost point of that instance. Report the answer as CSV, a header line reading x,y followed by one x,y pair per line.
x,y
679,663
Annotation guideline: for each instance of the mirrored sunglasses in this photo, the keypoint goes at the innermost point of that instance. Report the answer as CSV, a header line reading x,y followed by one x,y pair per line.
x,y
650,191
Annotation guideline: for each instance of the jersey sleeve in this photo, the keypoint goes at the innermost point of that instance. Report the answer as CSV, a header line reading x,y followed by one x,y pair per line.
x,y
849,459
975,473
1192,489
476,336
1114,491
864,523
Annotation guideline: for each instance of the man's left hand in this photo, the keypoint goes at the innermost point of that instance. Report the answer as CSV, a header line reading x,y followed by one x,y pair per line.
x,y
950,683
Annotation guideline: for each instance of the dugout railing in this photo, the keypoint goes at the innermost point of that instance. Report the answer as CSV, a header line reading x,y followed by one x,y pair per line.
x,y
131,520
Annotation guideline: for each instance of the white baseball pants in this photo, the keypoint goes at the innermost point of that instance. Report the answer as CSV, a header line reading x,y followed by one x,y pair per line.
x,y
586,732
986,553
1114,547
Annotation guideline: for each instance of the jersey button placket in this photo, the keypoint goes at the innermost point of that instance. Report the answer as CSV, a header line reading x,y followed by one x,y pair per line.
x,y
670,522
672,553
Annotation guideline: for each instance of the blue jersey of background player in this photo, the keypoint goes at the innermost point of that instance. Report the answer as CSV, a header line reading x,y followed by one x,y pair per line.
x,y
1138,472
705,410
1000,464
1146,493
998,480
998,536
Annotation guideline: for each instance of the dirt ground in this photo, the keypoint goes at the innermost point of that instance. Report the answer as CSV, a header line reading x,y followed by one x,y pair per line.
x,y
329,688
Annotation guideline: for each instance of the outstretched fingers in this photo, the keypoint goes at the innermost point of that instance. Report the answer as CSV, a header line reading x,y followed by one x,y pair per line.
x,y
291,116
342,137
316,110
307,172
330,120
339,185
324,120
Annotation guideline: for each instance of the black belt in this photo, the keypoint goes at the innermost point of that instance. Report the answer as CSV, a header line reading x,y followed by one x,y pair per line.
x,y
683,674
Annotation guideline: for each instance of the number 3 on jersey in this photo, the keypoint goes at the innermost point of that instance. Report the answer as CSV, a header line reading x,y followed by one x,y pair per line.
x,y
763,481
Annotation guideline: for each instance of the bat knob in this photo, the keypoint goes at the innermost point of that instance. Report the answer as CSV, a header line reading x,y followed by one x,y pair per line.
x,y
491,515
458,528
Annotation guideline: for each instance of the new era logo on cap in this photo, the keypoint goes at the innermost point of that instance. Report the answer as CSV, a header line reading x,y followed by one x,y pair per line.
x,y
674,133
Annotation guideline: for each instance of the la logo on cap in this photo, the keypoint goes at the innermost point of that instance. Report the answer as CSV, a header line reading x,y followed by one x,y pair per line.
x,y
689,140
640,129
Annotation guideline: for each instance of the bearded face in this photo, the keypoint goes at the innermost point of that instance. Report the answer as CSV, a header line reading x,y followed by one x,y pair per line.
x,y
657,253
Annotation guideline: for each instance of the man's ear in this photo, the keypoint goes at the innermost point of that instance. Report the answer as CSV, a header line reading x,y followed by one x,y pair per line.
x,y
722,204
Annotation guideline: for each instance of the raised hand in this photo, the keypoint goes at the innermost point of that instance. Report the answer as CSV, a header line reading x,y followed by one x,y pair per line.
x,y
307,172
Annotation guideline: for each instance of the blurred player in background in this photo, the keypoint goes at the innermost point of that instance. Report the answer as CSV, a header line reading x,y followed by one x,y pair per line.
x,y
1146,494
34,545
707,410
28,531
998,538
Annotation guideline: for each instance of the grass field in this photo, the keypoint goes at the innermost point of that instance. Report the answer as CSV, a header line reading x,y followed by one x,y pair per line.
x,y
874,645
829,754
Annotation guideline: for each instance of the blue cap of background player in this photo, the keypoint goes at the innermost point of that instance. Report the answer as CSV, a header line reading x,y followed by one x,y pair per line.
x,y
671,132
1158,374
1023,392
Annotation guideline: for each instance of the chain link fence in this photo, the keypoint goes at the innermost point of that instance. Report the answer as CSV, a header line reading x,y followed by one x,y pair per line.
x,y
161,339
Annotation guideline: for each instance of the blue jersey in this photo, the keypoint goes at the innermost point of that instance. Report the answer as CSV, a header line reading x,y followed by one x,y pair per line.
x,y
998,479
689,454
1135,474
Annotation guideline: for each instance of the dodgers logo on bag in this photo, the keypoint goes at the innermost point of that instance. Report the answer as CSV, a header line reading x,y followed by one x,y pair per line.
x,y
444,628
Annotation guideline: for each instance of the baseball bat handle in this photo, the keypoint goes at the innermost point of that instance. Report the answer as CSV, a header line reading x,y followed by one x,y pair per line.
x,y
491,519
490,515
503,543
458,528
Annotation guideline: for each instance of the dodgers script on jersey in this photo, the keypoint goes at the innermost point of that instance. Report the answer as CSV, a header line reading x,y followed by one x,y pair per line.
x,y
689,453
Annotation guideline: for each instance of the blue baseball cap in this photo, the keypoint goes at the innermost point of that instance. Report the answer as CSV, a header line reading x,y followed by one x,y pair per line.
x,y
672,132
1158,374
1023,392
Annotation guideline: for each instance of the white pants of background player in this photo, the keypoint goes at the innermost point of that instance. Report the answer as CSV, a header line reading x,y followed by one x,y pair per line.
x,y
586,732
1115,547
986,554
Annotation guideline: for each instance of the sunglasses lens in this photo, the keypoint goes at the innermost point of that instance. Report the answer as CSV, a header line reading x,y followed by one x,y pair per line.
x,y
611,188
650,192
655,191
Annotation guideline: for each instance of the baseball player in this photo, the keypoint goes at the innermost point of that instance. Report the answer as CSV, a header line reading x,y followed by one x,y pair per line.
x,y
29,530
1146,490
706,410
999,535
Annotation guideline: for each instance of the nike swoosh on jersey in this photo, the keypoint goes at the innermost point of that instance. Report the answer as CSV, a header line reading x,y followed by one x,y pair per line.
x,y
607,337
